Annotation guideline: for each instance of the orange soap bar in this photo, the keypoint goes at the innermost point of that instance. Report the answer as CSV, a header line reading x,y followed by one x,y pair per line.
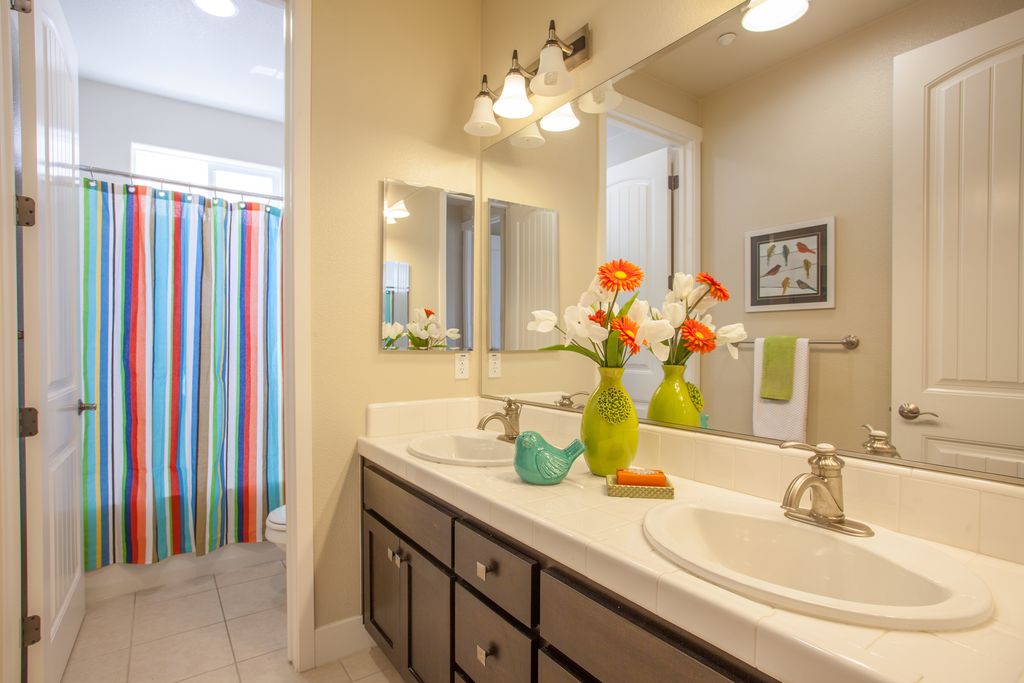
x,y
641,477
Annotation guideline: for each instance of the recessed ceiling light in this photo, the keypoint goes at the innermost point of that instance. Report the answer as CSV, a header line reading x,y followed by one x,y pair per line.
x,y
769,15
217,8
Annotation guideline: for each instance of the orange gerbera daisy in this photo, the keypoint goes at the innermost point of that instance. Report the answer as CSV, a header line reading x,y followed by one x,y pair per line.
x,y
600,316
716,290
620,276
429,312
627,329
697,336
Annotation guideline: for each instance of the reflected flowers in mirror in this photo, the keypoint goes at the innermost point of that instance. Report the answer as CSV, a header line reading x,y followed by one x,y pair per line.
x,y
425,332
686,311
391,333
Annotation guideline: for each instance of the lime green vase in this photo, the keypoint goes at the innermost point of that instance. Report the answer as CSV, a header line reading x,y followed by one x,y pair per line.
x,y
610,429
672,402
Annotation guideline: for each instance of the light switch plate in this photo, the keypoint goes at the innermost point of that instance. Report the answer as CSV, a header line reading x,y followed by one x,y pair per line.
x,y
494,365
462,366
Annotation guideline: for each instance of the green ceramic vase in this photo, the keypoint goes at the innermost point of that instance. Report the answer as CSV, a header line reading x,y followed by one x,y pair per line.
x,y
610,429
671,401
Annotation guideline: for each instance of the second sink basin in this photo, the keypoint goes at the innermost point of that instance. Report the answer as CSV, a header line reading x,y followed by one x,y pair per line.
x,y
471,448
887,581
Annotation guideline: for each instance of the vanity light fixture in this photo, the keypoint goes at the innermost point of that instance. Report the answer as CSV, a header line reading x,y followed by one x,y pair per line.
x,y
217,8
600,100
528,138
561,119
769,15
552,78
513,103
481,122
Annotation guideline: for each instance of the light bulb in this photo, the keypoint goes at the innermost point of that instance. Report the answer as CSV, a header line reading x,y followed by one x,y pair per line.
x,y
552,77
769,15
561,119
217,8
528,138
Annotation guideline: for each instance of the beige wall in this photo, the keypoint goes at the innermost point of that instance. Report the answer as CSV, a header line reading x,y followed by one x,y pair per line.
x,y
562,175
376,115
809,139
416,240
645,88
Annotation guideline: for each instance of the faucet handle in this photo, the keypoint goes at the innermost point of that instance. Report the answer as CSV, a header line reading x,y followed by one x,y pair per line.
x,y
818,449
512,406
875,433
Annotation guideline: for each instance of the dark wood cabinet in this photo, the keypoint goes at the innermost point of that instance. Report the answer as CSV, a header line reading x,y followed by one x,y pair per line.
x,y
450,600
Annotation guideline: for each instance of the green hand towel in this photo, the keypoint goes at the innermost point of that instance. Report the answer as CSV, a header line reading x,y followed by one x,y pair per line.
x,y
777,368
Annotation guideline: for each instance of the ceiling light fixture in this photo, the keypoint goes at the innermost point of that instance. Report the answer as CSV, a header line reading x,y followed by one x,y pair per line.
x,y
769,15
600,100
561,119
552,78
481,122
217,8
513,103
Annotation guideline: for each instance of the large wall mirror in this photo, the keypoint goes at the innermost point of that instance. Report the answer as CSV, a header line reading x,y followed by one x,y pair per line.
x,y
766,159
427,288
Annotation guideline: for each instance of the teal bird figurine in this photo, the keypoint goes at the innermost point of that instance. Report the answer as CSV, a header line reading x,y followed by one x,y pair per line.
x,y
538,462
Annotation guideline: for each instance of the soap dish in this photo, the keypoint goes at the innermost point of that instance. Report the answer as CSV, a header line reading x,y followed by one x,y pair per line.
x,y
617,490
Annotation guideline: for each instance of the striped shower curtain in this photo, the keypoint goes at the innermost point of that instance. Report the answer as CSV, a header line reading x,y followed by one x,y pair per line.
x,y
181,344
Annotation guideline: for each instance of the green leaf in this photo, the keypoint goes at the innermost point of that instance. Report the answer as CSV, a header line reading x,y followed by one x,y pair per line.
x,y
576,349
624,311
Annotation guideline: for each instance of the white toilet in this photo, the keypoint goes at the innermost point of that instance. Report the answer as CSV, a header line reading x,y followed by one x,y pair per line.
x,y
277,531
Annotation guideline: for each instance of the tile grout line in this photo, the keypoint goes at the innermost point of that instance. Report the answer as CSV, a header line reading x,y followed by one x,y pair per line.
x,y
224,620
131,640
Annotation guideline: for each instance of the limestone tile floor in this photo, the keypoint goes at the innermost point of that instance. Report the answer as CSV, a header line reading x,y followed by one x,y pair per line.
x,y
226,628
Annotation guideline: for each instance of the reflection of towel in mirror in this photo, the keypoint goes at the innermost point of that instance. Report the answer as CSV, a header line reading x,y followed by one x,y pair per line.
x,y
785,420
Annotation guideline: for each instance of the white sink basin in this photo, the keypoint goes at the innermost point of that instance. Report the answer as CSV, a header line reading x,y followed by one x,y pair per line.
x,y
473,448
887,581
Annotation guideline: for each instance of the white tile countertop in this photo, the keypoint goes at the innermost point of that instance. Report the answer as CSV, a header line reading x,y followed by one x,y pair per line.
x,y
578,525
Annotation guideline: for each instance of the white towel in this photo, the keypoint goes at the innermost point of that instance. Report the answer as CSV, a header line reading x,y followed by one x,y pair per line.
x,y
784,420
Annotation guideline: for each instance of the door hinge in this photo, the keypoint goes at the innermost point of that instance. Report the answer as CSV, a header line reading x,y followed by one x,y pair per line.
x,y
28,423
673,182
25,211
23,6
31,630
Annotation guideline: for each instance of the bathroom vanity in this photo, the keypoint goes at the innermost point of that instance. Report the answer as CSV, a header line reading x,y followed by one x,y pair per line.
x,y
446,594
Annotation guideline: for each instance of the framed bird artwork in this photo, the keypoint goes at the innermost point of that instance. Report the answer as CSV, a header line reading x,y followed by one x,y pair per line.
x,y
790,267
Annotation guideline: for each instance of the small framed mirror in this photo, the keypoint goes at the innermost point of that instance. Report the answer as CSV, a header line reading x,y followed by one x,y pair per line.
x,y
427,268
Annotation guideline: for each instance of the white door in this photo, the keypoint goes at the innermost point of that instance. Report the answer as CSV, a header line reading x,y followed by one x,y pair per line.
x,y
530,253
56,584
638,226
958,232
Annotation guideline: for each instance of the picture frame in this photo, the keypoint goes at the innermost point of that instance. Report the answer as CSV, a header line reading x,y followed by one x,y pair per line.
x,y
790,267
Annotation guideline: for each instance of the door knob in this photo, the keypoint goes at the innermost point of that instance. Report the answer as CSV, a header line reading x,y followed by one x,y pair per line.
x,y
911,411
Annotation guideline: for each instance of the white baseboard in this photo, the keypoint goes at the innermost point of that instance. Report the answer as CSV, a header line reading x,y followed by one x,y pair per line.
x,y
121,579
340,639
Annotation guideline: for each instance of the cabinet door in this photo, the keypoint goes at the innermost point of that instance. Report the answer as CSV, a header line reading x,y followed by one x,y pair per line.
x,y
426,655
382,610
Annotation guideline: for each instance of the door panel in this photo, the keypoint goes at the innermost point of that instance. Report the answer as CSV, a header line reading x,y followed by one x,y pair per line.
x,y
381,587
958,281
49,80
427,611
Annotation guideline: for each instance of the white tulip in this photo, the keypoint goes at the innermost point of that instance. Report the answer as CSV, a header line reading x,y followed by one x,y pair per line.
x,y
660,351
391,330
543,321
453,333
654,332
674,313
682,287
730,335
640,311
596,294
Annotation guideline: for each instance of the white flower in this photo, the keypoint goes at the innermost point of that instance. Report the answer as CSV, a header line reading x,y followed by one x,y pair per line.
x,y
543,321
596,294
682,287
640,311
660,351
391,330
580,328
704,304
674,312
453,333
730,335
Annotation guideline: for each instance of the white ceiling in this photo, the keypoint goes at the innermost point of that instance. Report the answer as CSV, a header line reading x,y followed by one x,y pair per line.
x,y
172,48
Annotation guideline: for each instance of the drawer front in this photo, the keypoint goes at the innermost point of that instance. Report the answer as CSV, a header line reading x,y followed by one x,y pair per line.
x,y
504,575
459,678
607,645
489,648
428,526
550,671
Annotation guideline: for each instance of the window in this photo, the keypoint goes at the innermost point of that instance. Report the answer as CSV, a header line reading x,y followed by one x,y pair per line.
x,y
201,169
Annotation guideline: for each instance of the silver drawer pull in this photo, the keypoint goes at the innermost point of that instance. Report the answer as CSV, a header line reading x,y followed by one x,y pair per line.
x,y
482,570
398,560
482,654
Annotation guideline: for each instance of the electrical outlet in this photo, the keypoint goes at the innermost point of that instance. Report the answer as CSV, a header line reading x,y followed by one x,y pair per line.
x,y
494,365
462,366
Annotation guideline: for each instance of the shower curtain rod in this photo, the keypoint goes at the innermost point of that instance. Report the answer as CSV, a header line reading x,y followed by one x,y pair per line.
x,y
167,181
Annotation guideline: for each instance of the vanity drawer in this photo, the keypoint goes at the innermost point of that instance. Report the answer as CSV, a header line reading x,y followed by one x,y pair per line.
x,y
549,670
422,522
608,645
504,575
488,647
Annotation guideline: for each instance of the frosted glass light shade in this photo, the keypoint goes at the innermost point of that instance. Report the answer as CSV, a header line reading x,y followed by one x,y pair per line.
x,y
528,138
513,103
561,119
600,100
217,8
769,15
481,122
552,77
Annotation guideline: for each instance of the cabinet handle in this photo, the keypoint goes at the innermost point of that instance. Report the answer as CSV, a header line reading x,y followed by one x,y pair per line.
x,y
482,570
398,560
391,555
482,654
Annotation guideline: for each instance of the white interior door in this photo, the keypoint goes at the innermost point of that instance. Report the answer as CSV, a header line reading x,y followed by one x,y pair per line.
x,y
638,226
56,585
958,231
531,274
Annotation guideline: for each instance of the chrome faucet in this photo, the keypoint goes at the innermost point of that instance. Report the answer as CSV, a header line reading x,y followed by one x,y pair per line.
x,y
825,481
509,419
878,443
566,401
